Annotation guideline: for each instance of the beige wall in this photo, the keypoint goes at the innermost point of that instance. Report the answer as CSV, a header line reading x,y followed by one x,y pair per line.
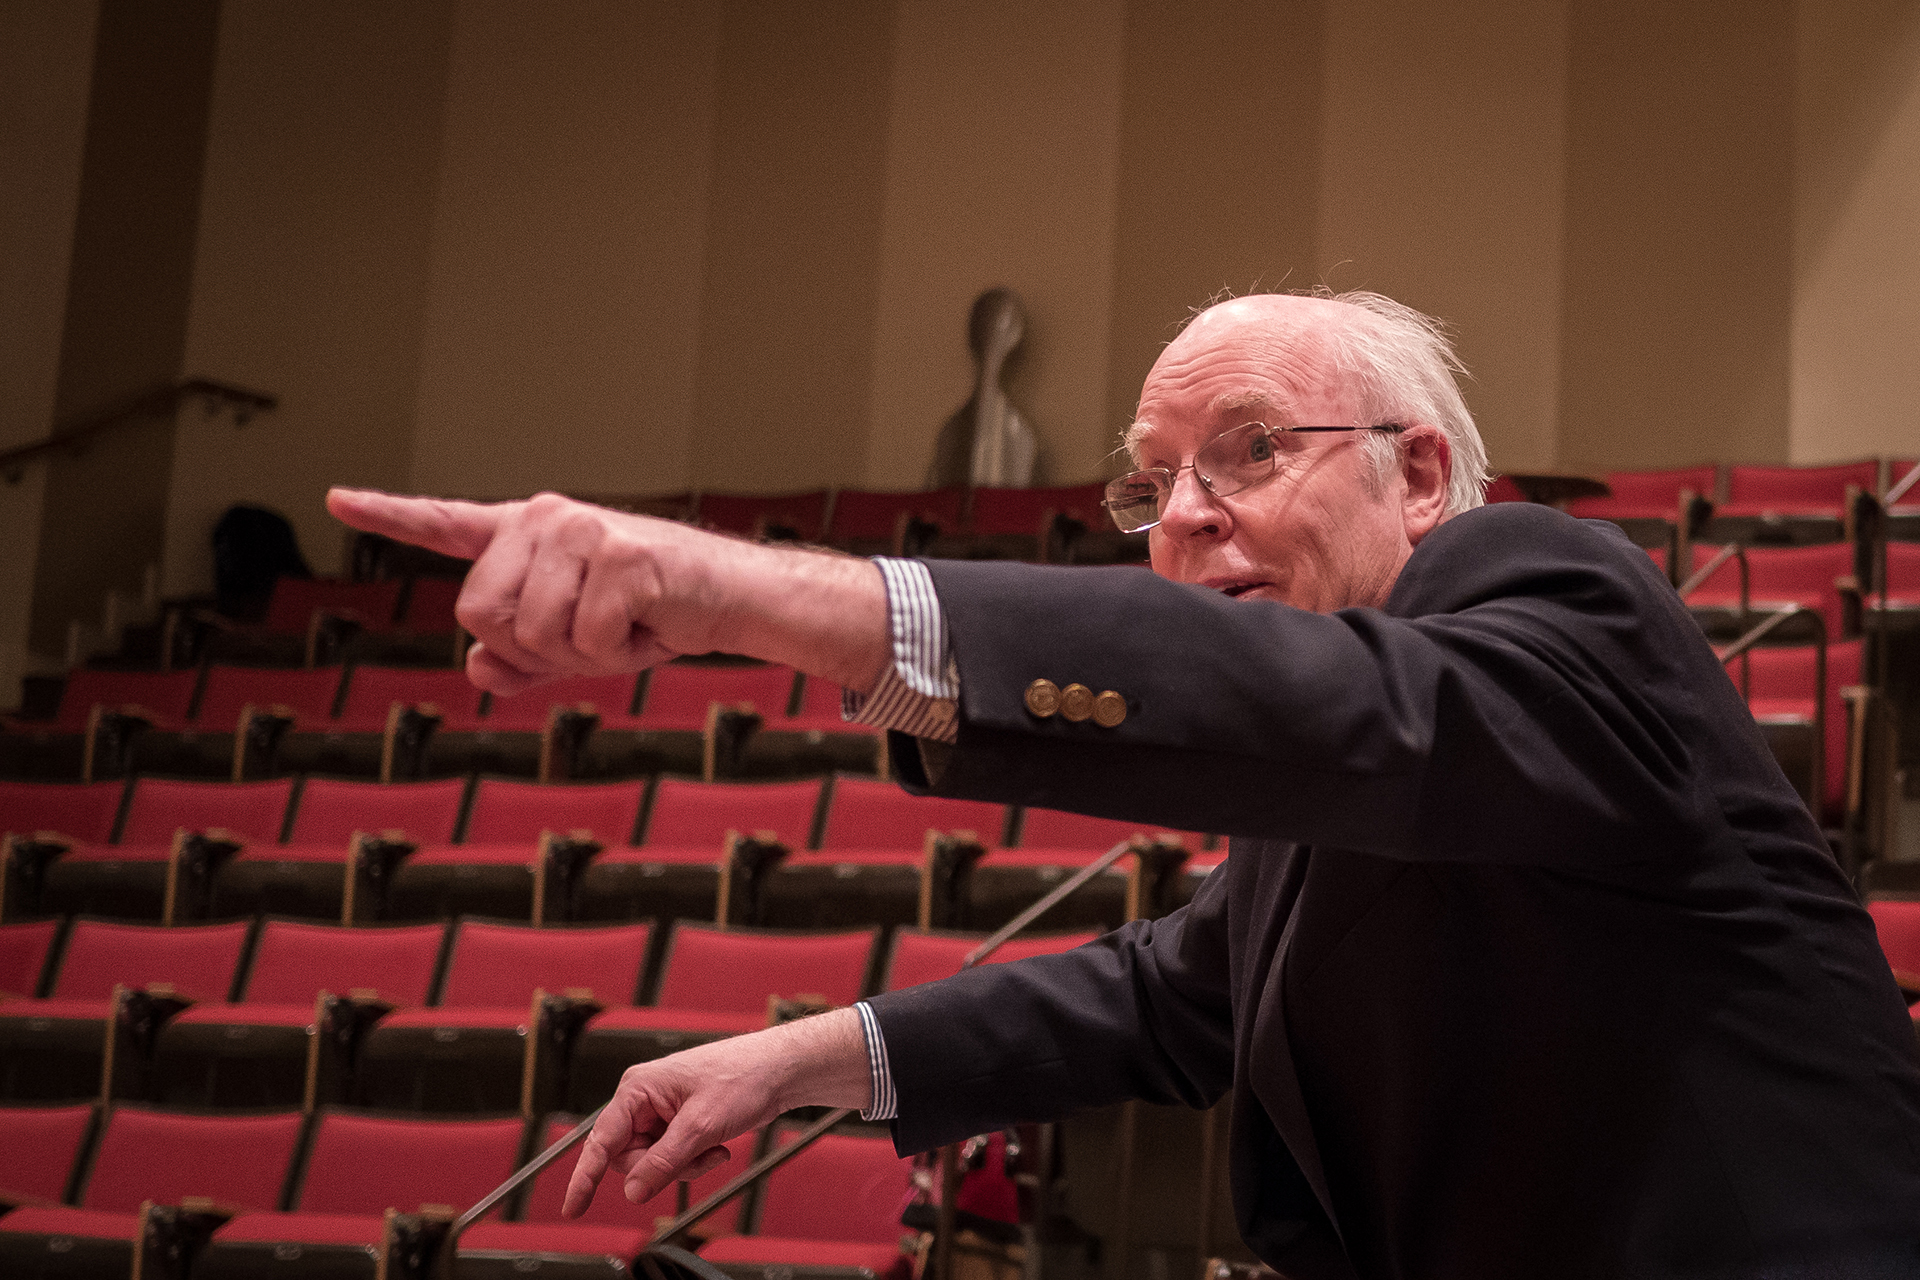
x,y
311,266
1856,242
732,243
1676,273
46,59
1218,190
565,286
1442,167
1001,168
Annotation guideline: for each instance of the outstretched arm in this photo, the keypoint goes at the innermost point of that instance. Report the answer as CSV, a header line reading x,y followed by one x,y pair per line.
x,y
669,1117
560,587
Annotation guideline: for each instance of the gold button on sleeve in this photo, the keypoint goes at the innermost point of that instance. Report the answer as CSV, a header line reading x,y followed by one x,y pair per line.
x,y
1109,709
1076,702
1043,698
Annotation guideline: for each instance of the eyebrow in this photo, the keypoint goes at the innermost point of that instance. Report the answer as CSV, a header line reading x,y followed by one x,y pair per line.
x,y
1254,399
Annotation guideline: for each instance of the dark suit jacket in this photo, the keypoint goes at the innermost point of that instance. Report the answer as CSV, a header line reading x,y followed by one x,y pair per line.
x,y
1526,961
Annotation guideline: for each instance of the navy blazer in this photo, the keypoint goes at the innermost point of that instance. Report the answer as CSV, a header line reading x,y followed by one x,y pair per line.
x,y
1526,960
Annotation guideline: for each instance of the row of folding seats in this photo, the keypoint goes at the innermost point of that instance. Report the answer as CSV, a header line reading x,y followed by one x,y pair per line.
x,y
472,1016
1822,578
296,1195
236,721
332,849
1761,493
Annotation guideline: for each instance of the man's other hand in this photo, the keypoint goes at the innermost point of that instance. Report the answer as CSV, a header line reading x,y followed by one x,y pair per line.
x,y
560,588
669,1118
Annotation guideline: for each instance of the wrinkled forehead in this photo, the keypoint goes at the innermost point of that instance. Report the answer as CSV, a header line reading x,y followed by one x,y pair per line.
x,y
1282,375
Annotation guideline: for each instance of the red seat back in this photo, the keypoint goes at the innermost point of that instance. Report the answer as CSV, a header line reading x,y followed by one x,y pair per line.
x,y
611,696
23,956
611,1208
367,1164
842,1187
238,1160
160,806
290,608
294,961
308,694
331,810
1898,926
927,957
735,971
82,811
997,511
167,694
689,814
870,513
515,812
371,691
1053,829
38,1146
1903,570
678,694
502,964
1782,678
1897,470
199,960
865,813
1795,486
1663,487
429,607
750,513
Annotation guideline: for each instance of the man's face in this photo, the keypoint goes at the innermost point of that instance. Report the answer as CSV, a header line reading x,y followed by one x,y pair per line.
x,y
1322,533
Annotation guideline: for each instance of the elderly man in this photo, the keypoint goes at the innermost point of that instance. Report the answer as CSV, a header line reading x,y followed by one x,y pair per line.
x,y
1526,960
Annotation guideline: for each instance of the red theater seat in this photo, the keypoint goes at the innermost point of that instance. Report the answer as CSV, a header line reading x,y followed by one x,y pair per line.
x,y
51,1048
39,1147
865,813
675,871
307,694
715,983
79,811
255,1052
679,694
837,1204
23,956
791,515
160,1156
1782,696
1648,495
469,1051
919,956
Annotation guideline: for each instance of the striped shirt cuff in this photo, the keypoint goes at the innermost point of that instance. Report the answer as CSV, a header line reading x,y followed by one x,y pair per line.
x,y
916,694
885,1104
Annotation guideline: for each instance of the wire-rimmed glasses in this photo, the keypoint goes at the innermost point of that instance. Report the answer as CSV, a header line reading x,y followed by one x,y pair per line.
x,y
1233,460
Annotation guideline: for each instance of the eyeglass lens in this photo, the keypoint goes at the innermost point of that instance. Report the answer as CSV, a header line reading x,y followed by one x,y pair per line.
x,y
1226,464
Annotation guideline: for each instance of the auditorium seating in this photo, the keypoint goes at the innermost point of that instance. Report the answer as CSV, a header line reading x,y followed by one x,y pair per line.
x,y
1789,504
611,1224
500,865
237,1162
358,1165
40,1148
171,842
567,728
716,983
260,706
337,824
834,1208
111,988
674,870
701,718
1783,700
1819,577
97,724
783,517
870,522
816,739
40,820
24,949
499,1033
304,1002
919,955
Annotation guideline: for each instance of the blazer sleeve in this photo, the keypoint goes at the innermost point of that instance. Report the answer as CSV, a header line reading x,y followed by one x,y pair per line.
x,y
1515,701
1142,1012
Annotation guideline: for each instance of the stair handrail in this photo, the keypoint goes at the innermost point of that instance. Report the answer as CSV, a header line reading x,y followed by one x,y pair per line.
x,y
73,435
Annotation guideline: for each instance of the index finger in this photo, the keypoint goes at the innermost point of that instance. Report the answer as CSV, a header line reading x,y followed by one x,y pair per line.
x,y
612,1133
461,529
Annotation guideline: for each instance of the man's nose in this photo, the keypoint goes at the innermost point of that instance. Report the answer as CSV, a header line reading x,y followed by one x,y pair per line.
x,y
1191,510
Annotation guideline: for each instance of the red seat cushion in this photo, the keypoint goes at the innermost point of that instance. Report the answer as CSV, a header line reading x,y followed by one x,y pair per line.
x,y
80,1010
885,1261
305,1228
465,1016
550,1237
454,855
62,1221
249,1015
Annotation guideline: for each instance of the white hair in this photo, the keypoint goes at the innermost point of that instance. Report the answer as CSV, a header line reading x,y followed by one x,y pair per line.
x,y
1405,369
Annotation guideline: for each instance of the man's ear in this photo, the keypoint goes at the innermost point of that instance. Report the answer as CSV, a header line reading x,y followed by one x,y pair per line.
x,y
1426,460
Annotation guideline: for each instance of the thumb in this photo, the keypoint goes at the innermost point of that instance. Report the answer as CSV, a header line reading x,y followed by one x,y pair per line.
x,y
460,529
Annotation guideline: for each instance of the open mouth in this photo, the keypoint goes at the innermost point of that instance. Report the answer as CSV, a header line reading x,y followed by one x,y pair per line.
x,y
1237,589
